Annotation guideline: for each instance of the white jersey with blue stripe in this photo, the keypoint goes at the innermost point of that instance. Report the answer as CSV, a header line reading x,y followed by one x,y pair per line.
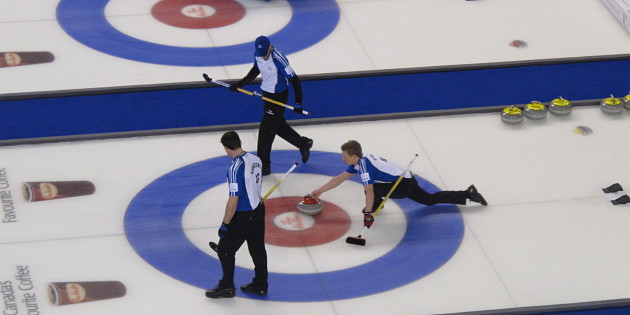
x,y
374,169
275,72
244,179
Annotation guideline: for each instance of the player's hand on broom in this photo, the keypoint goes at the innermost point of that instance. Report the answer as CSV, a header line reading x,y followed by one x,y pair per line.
x,y
234,87
298,108
368,218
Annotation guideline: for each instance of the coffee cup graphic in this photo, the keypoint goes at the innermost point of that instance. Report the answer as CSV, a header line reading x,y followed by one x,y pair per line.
x,y
37,191
65,293
24,58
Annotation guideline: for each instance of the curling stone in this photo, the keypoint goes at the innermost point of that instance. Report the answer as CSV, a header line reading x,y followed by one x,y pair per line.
x,y
512,115
310,205
626,102
535,110
560,106
611,105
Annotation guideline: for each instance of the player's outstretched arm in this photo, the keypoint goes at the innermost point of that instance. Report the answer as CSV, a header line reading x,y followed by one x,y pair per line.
x,y
332,183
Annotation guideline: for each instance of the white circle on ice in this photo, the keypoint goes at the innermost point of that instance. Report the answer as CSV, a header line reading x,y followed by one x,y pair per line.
x,y
133,18
293,221
198,11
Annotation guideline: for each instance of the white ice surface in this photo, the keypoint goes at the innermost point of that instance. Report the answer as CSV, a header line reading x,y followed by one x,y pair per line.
x,y
549,235
370,35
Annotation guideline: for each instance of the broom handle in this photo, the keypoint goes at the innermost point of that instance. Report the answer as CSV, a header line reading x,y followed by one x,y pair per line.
x,y
395,185
254,93
280,181
391,190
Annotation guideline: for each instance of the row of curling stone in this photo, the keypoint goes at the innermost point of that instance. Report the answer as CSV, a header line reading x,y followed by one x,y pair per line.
x,y
613,105
536,111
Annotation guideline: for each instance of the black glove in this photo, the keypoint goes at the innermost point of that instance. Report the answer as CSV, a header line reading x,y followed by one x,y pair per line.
x,y
234,87
368,219
298,108
224,230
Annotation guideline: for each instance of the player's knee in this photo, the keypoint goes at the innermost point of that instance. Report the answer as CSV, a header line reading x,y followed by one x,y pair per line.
x,y
225,252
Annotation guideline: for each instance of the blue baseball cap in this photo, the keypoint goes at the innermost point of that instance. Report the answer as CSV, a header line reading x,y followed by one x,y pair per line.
x,y
262,46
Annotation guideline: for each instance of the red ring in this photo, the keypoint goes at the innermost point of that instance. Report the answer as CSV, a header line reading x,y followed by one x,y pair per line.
x,y
170,12
330,224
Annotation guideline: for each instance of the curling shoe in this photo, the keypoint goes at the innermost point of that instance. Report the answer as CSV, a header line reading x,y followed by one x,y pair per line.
x,y
214,246
221,291
475,196
613,188
621,200
254,288
305,150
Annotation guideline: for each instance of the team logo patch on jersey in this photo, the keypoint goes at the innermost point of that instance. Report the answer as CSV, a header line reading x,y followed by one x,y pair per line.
x,y
233,187
365,177
288,70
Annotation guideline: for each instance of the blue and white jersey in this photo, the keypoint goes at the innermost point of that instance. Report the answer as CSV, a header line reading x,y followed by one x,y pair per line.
x,y
275,72
374,169
244,179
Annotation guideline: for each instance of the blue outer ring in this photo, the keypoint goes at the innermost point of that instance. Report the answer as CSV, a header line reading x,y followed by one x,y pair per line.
x,y
85,21
154,229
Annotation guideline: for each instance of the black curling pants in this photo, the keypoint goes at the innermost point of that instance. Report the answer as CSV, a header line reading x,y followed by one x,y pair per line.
x,y
245,226
272,124
409,188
